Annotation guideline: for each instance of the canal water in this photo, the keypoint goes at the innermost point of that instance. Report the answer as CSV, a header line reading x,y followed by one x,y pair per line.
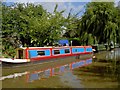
x,y
102,71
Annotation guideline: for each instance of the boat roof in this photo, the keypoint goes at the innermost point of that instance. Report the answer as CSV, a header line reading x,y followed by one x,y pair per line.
x,y
51,47
33,47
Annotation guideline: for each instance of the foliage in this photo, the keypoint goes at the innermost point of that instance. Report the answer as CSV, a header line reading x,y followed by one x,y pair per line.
x,y
100,21
31,25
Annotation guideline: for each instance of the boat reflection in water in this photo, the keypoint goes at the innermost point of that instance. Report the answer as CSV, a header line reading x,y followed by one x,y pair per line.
x,y
43,74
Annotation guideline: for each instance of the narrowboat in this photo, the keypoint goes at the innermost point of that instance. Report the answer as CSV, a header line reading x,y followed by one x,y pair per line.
x,y
31,54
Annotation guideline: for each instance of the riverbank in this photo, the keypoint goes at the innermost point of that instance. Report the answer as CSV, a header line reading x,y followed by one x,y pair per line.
x,y
102,73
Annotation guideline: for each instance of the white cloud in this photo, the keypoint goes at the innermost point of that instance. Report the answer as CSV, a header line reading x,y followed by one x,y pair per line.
x,y
116,2
49,5
24,1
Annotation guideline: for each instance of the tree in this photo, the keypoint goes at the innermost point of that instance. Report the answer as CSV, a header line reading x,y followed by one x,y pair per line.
x,y
30,25
118,23
100,21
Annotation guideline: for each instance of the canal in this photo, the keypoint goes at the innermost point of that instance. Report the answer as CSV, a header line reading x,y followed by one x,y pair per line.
x,y
102,71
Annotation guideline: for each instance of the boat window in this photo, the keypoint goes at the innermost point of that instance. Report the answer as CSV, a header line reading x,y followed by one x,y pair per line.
x,y
56,51
20,54
75,50
41,53
67,51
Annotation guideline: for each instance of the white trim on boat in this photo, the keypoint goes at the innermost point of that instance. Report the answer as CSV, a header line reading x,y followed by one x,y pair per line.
x,y
10,60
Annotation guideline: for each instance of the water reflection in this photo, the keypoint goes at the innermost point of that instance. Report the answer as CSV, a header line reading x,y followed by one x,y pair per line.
x,y
15,75
33,76
114,54
56,70
68,78
63,72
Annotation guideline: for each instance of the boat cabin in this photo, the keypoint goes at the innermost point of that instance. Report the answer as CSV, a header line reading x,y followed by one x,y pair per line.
x,y
38,53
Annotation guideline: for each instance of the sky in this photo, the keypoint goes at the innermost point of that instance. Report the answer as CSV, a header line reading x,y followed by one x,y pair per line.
x,y
76,5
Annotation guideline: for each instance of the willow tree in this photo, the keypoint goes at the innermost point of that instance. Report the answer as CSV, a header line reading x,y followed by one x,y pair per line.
x,y
118,22
99,20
